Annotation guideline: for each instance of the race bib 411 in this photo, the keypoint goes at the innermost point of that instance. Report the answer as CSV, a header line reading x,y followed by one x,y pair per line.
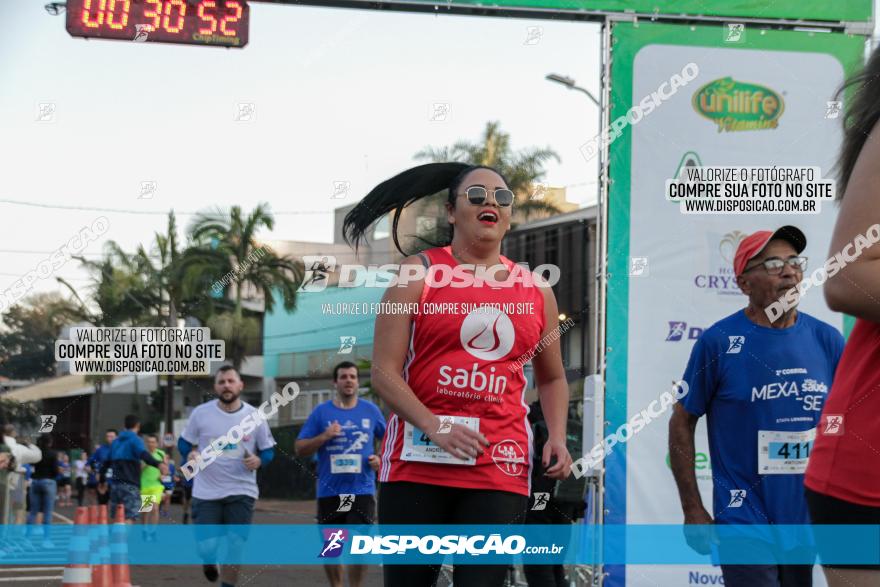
x,y
784,453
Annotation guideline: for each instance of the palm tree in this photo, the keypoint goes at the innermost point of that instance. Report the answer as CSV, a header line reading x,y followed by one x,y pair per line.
x,y
225,248
119,296
173,292
143,289
523,170
147,299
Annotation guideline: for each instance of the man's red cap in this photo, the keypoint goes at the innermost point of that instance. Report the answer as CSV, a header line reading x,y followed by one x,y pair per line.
x,y
753,244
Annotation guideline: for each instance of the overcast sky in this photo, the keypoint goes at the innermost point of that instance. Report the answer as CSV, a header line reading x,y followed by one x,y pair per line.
x,y
339,96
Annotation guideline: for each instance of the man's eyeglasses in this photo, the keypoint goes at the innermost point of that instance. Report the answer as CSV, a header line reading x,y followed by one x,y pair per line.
x,y
774,265
477,195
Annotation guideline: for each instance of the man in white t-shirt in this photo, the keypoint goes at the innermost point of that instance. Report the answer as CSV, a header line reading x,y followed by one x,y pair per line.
x,y
231,449
81,476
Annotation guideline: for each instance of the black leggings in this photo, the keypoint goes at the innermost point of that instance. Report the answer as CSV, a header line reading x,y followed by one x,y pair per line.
x,y
403,502
825,509
80,491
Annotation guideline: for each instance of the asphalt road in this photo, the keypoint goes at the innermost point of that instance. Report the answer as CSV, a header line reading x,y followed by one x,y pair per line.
x,y
268,512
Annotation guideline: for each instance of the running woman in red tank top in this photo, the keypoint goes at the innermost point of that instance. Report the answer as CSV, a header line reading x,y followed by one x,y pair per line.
x,y
461,365
843,473
457,449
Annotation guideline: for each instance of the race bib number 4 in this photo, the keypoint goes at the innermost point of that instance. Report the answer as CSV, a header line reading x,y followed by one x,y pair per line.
x,y
784,453
418,447
345,463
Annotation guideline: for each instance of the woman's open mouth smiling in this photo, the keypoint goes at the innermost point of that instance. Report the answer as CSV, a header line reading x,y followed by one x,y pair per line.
x,y
489,217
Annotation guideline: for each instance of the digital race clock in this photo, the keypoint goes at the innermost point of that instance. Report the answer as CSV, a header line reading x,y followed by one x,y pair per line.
x,y
193,22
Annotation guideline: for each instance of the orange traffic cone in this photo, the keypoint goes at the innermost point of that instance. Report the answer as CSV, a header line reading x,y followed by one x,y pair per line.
x,y
102,576
77,572
119,549
94,559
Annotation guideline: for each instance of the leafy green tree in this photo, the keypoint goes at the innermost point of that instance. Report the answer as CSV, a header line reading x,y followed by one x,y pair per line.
x,y
225,248
27,344
23,415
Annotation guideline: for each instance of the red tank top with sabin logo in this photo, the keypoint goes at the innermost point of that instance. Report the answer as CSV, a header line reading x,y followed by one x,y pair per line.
x,y
465,364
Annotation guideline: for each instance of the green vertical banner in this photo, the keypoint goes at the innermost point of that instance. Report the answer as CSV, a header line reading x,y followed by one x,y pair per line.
x,y
696,96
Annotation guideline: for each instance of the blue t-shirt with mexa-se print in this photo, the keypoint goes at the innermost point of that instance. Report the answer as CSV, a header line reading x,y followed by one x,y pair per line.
x,y
762,390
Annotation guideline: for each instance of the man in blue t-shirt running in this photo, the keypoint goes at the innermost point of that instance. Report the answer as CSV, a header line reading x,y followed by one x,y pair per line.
x,y
343,432
761,385
96,463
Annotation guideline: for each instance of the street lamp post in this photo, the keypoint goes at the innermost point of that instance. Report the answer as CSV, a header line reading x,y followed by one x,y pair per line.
x,y
569,83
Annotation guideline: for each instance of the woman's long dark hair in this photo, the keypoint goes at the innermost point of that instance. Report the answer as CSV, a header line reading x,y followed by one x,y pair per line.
x,y
402,190
861,116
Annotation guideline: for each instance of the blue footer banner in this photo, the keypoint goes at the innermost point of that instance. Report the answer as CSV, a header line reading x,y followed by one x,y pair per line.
x,y
310,544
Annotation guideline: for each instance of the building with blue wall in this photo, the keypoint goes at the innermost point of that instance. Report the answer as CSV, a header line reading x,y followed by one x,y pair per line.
x,y
326,328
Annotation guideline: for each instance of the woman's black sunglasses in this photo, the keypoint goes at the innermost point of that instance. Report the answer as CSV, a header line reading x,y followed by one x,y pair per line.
x,y
477,195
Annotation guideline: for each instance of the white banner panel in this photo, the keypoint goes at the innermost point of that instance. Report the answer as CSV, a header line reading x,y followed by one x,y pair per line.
x,y
684,281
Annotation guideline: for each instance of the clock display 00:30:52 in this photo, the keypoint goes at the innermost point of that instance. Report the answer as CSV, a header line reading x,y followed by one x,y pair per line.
x,y
200,22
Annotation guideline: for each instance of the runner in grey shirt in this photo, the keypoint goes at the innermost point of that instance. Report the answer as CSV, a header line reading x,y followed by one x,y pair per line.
x,y
225,481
